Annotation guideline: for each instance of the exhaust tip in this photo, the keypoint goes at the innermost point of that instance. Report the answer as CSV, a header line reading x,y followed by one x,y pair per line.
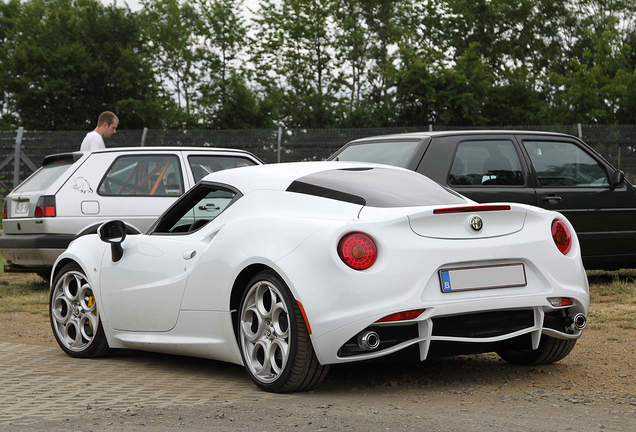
x,y
579,322
368,340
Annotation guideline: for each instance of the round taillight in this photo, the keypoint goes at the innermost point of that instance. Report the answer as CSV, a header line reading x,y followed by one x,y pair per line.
x,y
561,236
357,250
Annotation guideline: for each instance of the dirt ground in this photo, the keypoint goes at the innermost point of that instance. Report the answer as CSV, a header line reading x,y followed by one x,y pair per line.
x,y
597,381
604,360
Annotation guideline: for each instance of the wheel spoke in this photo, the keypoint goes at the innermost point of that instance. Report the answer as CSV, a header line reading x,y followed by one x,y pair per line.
x,y
280,320
252,324
278,355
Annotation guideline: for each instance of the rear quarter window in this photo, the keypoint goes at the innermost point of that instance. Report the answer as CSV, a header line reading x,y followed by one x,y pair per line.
x,y
376,187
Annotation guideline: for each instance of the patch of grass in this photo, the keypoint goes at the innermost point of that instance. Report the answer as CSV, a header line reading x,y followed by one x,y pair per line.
x,y
613,297
24,293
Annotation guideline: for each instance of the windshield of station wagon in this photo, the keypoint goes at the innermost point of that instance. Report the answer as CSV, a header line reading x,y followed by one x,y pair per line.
x,y
376,187
396,153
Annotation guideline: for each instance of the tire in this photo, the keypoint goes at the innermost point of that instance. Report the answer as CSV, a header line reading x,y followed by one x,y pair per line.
x,y
550,350
74,317
273,338
45,276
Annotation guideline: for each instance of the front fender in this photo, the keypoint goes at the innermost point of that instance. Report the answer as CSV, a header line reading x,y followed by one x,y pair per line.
x,y
87,251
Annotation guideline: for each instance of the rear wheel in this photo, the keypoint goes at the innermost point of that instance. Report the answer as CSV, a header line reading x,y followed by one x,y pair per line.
x,y
274,340
74,317
550,350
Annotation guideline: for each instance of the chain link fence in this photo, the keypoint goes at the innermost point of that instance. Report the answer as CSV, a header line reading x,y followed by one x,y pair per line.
x,y
615,143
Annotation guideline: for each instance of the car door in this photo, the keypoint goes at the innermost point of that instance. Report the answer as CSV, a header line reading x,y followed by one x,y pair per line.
x,y
143,290
482,167
574,180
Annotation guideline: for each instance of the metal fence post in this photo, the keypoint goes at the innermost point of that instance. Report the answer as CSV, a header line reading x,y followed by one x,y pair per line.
x,y
280,135
143,136
16,157
580,132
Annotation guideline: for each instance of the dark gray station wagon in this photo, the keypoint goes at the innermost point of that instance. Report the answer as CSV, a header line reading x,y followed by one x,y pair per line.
x,y
554,171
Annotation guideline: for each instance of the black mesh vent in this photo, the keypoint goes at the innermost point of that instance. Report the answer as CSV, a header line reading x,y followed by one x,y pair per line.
x,y
483,325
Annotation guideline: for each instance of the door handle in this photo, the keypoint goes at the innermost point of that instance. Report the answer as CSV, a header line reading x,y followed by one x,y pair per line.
x,y
552,199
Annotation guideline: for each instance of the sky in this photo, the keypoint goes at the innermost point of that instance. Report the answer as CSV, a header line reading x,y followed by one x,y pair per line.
x,y
136,4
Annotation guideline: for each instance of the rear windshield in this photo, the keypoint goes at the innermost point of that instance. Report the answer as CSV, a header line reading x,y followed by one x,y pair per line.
x,y
203,165
376,187
45,176
396,153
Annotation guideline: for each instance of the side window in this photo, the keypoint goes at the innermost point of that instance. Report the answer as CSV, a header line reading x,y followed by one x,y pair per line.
x,y
564,164
143,175
486,163
200,206
205,164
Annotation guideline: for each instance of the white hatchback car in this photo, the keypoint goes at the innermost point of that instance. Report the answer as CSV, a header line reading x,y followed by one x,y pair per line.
x,y
73,193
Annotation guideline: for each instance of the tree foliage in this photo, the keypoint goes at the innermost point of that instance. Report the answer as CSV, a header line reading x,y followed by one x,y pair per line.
x,y
317,63
67,61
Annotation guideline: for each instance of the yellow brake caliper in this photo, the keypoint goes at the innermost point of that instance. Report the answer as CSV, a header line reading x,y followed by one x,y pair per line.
x,y
91,303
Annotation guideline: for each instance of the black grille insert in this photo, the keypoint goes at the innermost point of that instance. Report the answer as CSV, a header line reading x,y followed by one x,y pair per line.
x,y
484,324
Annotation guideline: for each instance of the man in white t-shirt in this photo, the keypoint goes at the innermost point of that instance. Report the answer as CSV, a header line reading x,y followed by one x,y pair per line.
x,y
106,126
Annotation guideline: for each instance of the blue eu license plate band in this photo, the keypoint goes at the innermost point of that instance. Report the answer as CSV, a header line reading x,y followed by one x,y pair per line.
x,y
489,277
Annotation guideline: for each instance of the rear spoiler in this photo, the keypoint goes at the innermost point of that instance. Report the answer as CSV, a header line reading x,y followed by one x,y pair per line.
x,y
61,158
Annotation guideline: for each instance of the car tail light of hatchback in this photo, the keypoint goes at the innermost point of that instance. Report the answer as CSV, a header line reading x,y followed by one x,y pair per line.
x,y
357,250
5,213
561,236
45,206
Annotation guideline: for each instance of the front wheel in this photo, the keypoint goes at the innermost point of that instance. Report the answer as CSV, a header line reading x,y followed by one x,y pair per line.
x,y
74,317
274,340
550,350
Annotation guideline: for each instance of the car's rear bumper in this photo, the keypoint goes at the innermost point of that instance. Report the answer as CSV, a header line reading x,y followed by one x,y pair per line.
x,y
33,250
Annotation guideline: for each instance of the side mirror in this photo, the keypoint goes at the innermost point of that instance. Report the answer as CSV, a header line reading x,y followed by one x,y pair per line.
x,y
618,179
113,232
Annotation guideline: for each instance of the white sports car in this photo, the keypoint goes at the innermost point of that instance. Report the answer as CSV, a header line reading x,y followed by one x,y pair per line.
x,y
289,268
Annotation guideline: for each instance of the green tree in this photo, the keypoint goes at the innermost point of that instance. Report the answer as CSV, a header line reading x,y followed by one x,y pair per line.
x,y
71,60
227,101
593,88
294,58
172,29
8,12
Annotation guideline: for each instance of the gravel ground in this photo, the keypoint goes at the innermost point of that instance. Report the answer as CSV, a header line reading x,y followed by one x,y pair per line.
x,y
593,389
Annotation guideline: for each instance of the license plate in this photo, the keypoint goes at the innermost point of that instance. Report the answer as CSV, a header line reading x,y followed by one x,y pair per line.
x,y
22,208
475,278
